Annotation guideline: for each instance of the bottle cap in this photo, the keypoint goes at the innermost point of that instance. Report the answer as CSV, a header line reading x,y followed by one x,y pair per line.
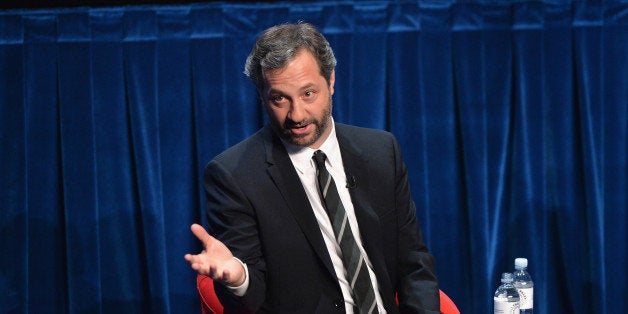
x,y
507,278
521,263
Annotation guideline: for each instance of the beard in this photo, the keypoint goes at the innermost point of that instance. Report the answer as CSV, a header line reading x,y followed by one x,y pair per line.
x,y
320,126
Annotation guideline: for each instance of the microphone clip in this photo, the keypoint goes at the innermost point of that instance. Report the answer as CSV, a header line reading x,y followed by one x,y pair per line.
x,y
352,182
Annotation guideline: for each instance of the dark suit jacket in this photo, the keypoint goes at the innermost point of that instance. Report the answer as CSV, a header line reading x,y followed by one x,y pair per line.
x,y
259,209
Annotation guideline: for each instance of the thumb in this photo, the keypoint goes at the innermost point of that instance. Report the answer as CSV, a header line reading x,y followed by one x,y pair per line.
x,y
201,234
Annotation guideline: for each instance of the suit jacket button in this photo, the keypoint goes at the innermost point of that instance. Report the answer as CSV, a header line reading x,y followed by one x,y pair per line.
x,y
340,303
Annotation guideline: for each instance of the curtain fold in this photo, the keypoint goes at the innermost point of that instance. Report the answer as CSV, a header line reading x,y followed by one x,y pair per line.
x,y
512,117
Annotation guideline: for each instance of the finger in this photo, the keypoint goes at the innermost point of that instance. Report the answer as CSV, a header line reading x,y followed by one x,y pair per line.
x,y
193,258
201,234
225,276
213,272
199,266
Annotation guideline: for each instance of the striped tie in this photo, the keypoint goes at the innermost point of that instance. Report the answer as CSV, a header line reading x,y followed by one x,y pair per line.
x,y
354,262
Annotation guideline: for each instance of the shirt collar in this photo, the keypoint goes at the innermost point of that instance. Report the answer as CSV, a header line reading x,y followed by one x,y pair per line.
x,y
302,156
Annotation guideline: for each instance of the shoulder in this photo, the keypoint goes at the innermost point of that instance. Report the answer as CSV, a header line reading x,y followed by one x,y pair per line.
x,y
362,136
249,151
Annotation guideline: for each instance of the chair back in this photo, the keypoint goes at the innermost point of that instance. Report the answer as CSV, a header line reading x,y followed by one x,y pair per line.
x,y
211,305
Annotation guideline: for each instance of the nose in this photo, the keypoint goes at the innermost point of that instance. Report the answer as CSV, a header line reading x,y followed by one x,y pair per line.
x,y
297,111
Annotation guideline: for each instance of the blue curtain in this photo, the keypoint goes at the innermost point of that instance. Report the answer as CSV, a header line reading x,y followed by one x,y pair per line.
x,y
512,116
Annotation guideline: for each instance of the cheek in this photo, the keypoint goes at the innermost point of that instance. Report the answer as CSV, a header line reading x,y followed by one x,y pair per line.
x,y
323,107
275,114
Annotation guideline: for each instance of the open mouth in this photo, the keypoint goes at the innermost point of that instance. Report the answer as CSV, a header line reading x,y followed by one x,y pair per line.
x,y
300,129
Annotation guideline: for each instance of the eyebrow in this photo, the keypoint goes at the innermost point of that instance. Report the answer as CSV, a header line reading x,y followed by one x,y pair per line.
x,y
304,87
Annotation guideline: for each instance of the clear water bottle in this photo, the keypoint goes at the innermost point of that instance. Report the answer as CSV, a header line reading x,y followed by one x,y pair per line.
x,y
525,286
506,298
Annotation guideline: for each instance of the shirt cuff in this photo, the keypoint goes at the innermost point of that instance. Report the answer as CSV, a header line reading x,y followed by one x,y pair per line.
x,y
241,289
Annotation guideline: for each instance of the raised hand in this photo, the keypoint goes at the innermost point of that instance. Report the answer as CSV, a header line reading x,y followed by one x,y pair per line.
x,y
216,261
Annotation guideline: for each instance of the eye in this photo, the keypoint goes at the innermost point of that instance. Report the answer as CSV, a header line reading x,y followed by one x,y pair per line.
x,y
277,99
309,95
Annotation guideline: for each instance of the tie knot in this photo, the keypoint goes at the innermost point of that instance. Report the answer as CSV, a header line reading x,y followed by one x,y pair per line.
x,y
319,159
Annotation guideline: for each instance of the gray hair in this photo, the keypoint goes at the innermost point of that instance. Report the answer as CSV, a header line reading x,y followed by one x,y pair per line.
x,y
279,44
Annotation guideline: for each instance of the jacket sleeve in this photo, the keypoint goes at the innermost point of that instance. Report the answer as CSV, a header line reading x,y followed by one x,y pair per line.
x,y
418,290
232,221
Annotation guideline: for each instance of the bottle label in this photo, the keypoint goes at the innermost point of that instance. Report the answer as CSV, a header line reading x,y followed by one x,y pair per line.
x,y
526,298
506,308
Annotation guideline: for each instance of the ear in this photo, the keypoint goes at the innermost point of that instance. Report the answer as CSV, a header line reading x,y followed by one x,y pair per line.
x,y
332,80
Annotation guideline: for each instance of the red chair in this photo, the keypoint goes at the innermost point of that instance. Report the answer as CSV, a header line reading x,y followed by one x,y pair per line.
x,y
211,305
209,300
447,306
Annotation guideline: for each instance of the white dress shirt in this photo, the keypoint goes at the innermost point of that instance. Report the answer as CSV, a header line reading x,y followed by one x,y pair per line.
x,y
306,169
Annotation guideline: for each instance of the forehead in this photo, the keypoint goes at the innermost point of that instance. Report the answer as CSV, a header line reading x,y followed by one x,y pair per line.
x,y
301,70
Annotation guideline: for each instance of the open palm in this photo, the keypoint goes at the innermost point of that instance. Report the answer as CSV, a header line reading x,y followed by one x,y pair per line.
x,y
216,261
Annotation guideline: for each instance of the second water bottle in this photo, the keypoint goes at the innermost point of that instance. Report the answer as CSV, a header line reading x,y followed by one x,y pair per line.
x,y
506,298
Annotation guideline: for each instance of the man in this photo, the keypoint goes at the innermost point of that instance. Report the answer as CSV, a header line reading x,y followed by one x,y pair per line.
x,y
333,233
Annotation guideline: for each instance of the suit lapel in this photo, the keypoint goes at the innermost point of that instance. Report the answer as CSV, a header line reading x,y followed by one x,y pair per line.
x,y
285,177
356,164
